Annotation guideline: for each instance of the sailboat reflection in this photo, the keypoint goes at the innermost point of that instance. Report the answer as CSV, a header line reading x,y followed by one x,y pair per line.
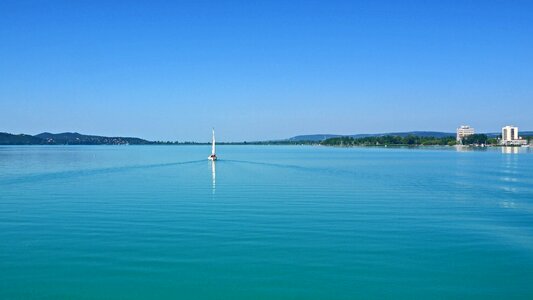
x,y
213,175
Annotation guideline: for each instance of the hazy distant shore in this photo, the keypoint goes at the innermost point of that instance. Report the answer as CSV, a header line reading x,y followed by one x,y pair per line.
x,y
415,138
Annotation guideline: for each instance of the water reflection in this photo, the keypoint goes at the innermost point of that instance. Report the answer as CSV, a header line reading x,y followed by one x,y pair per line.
x,y
461,148
465,148
510,150
213,176
507,204
504,150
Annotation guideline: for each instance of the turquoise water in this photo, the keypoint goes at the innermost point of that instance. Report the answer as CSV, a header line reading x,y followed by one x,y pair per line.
x,y
271,222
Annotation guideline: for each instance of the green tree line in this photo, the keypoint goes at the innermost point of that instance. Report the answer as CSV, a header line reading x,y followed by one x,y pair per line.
x,y
410,140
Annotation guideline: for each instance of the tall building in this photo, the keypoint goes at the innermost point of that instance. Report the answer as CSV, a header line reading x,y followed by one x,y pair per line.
x,y
509,133
510,136
463,131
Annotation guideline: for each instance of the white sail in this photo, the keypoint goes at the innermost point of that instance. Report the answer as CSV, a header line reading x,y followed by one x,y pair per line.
x,y
213,145
213,155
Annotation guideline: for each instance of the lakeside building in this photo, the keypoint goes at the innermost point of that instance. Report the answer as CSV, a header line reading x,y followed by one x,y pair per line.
x,y
510,136
464,131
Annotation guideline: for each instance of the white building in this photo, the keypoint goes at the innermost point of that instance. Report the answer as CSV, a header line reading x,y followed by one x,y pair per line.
x,y
463,131
509,133
510,136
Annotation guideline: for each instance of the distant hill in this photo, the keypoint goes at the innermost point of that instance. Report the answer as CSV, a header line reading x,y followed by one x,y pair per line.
x,y
74,138
67,138
313,137
436,134
499,134
321,137
19,139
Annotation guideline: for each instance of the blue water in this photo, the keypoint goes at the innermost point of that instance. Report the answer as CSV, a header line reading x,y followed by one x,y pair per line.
x,y
270,222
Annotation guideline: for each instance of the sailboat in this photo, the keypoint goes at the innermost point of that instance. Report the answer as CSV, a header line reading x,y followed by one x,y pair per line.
x,y
213,156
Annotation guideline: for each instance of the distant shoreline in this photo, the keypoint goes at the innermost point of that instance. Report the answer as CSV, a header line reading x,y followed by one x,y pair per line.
x,y
405,139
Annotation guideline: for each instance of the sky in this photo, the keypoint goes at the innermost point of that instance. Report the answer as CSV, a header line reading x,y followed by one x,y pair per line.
x,y
259,70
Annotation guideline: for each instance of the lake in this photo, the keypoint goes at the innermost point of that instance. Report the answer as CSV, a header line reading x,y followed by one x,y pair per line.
x,y
265,222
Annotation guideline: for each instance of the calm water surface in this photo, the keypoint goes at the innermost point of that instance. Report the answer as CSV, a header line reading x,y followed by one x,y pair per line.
x,y
265,222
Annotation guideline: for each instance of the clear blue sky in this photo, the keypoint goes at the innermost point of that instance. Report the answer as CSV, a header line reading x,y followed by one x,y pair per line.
x,y
170,70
